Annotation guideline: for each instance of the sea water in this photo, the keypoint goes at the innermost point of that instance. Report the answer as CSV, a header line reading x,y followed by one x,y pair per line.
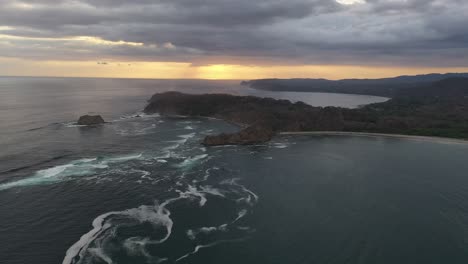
x,y
141,189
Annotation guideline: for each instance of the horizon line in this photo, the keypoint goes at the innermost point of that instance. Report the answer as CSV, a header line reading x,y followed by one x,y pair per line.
x,y
221,79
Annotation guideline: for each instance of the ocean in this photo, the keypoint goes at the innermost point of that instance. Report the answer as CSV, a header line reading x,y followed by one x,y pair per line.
x,y
141,189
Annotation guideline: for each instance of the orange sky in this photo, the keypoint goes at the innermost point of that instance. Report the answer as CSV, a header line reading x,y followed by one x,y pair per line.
x,y
176,70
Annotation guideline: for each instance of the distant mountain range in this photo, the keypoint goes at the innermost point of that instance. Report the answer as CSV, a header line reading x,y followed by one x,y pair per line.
x,y
388,87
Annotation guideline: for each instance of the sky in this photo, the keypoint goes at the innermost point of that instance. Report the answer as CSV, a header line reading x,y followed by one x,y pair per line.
x,y
232,39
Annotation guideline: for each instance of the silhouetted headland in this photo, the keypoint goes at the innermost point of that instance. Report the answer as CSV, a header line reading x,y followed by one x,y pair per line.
x,y
437,109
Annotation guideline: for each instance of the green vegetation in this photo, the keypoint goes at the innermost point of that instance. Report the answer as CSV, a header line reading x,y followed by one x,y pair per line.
x,y
439,109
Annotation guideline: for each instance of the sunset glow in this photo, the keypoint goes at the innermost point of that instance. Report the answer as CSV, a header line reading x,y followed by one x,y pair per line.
x,y
232,39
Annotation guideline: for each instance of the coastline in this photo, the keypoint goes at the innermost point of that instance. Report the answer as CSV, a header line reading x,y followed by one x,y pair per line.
x,y
366,134
261,118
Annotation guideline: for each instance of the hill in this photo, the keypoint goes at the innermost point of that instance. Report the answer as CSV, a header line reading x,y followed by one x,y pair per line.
x,y
387,87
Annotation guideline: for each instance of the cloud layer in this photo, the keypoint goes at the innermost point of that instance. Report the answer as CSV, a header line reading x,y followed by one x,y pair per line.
x,y
357,32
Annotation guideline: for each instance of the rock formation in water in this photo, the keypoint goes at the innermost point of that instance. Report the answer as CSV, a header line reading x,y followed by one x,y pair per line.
x,y
89,120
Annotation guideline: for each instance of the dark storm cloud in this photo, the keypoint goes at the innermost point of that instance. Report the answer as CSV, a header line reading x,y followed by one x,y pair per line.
x,y
392,32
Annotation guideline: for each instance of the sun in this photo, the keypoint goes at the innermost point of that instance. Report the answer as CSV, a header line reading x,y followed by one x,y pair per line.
x,y
217,72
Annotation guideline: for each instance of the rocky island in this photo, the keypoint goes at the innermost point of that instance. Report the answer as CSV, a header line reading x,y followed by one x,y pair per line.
x,y
90,120
438,109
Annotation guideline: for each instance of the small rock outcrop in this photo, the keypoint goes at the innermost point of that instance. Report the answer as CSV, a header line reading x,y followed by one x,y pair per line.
x,y
89,120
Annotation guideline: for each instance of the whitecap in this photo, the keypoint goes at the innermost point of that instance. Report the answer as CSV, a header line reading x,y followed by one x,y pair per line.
x,y
124,158
178,143
72,124
280,145
154,115
190,162
187,136
139,115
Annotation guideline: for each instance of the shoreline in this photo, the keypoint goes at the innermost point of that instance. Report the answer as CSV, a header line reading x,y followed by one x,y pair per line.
x,y
367,134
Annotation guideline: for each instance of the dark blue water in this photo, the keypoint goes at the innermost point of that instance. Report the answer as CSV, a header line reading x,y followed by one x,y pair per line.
x,y
141,189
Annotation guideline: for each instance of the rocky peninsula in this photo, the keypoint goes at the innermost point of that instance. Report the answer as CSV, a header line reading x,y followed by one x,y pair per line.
x,y
440,109
260,118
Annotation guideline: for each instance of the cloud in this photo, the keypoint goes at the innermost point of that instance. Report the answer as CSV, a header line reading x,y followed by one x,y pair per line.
x,y
384,32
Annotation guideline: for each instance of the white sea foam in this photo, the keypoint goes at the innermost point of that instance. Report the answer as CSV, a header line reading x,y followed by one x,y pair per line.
x,y
99,253
198,247
138,115
251,198
208,173
137,246
190,162
240,215
192,233
195,192
180,142
212,191
138,129
280,145
79,248
143,115
124,158
103,226
144,174
82,167
187,136
156,215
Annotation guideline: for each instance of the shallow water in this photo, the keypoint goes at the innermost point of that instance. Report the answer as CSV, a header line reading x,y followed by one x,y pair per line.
x,y
143,190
